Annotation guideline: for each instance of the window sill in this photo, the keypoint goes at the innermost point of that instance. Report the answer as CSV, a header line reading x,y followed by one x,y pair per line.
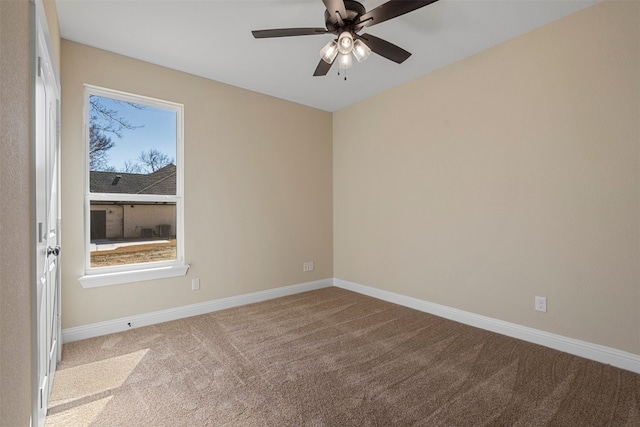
x,y
118,278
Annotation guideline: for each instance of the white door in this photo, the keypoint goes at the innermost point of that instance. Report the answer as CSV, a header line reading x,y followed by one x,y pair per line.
x,y
47,137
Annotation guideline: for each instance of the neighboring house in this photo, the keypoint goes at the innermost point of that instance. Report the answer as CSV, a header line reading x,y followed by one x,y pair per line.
x,y
131,220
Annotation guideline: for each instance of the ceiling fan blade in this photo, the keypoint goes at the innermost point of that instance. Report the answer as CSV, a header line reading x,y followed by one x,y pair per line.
x,y
389,10
322,69
334,6
287,32
384,48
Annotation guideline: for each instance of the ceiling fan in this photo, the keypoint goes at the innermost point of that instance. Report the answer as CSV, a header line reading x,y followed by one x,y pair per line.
x,y
345,18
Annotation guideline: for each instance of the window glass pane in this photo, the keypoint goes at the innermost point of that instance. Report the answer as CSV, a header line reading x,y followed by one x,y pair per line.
x,y
133,182
132,147
132,232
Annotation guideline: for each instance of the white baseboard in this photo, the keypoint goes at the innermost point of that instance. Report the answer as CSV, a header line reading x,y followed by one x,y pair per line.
x,y
123,324
599,353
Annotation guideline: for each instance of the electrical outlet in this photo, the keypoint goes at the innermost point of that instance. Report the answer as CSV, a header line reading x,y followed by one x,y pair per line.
x,y
307,266
195,284
541,304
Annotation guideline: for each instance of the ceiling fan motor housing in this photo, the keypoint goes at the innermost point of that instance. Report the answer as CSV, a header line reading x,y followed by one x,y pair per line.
x,y
354,11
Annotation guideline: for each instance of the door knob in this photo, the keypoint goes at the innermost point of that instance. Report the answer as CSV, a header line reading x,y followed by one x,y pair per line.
x,y
53,250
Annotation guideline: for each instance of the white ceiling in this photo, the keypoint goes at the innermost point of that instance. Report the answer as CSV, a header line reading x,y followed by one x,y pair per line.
x,y
212,39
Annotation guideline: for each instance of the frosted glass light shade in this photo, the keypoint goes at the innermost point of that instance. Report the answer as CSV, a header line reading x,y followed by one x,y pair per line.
x,y
329,52
345,43
345,61
360,50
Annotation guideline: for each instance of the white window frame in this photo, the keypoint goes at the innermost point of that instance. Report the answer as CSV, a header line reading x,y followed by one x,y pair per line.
x,y
103,276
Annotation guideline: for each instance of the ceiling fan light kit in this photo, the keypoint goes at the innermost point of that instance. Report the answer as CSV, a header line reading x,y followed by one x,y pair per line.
x,y
345,43
345,61
329,52
360,50
345,18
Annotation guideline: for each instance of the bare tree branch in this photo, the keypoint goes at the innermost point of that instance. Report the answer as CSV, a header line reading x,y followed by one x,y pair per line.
x,y
108,120
152,160
131,166
99,144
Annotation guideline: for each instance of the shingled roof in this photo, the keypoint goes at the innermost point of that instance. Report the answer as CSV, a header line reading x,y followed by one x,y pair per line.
x,y
162,181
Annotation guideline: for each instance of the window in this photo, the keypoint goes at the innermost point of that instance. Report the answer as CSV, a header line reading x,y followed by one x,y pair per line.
x,y
133,188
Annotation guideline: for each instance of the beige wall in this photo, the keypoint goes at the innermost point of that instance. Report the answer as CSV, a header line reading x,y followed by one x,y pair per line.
x,y
510,174
258,194
16,276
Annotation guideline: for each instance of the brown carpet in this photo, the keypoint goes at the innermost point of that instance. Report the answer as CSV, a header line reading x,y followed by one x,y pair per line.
x,y
331,358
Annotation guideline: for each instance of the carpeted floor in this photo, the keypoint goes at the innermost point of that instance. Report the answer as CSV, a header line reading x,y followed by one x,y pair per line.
x,y
331,358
